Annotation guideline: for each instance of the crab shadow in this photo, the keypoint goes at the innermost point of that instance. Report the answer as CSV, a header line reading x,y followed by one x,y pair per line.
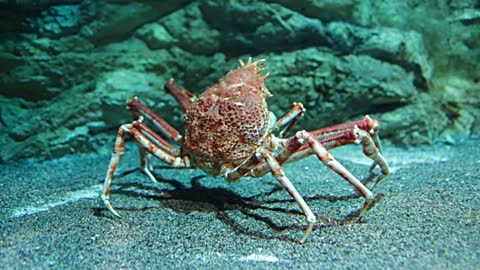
x,y
196,197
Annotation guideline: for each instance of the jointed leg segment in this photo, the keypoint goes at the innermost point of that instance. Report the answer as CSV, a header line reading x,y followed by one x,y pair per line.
x,y
287,150
149,142
139,109
318,142
290,119
153,147
273,142
279,174
181,95
323,155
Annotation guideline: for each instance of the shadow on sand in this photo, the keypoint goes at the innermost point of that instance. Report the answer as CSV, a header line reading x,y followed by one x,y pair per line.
x,y
198,198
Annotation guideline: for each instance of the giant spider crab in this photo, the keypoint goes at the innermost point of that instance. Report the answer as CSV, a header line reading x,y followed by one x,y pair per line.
x,y
228,132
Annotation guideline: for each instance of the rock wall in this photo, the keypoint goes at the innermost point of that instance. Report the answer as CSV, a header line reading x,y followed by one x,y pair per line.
x,y
68,67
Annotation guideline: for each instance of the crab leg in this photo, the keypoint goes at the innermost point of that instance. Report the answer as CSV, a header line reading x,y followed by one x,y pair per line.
x,y
165,128
273,143
241,170
279,174
347,137
145,160
141,111
254,163
367,124
331,137
305,143
323,155
181,95
371,150
159,141
292,150
147,145
290,119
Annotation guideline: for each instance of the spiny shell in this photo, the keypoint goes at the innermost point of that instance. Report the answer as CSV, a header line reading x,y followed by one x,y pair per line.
x,y
230,120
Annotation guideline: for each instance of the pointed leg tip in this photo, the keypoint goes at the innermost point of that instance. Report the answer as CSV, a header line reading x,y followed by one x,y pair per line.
x,y
150,175
111,209
308,230
115,213
147,169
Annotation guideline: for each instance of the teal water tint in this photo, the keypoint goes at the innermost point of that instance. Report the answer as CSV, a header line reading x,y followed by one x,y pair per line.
x,y
68,67
427,217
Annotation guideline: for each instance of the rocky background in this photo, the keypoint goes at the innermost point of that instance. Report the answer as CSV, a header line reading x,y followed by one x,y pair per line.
x,y
68,67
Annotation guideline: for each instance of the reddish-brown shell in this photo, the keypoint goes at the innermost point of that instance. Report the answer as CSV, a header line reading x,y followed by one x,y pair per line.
x,y
229,121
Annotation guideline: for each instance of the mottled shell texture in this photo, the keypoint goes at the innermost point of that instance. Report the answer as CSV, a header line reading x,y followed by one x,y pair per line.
x,y
230,120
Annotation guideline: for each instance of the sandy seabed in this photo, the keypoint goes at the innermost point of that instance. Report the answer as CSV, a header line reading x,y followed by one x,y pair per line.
x,y
427,216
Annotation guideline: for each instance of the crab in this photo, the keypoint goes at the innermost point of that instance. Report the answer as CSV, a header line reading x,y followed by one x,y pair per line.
x,y
230,132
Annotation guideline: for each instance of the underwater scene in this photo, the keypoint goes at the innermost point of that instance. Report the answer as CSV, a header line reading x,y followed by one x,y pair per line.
x,y
206,134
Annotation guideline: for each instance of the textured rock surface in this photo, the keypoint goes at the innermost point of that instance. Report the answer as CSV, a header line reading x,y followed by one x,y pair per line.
x,y
69,66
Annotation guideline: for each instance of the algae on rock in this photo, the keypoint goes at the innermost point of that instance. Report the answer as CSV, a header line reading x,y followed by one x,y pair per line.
x,y
68,67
